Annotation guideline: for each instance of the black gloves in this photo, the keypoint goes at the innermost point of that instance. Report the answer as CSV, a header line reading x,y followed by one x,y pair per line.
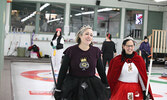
x,y
108,91
57,94
146,97
149,56
51,43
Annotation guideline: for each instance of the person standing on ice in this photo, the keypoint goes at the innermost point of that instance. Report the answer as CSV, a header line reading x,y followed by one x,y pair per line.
x,y
145,51
127,74
57,51
77,78
108,50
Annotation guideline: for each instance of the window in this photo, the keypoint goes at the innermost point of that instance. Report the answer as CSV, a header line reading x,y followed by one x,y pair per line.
x,y
134,23
51,17
23,17
81,15
108,20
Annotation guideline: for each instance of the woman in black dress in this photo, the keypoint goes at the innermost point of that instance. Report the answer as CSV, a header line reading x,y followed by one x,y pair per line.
x,y
108,50
77,78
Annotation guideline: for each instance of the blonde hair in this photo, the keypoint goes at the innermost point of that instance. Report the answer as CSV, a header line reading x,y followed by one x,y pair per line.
x,y
81,31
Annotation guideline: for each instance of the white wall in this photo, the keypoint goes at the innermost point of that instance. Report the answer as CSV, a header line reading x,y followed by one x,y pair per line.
x,y
14,40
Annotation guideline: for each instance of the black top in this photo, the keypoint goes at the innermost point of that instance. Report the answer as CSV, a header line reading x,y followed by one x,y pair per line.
x,y
108,48
59,45
81,64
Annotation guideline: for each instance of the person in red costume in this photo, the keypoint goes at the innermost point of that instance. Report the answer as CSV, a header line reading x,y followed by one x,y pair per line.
x,y
35,49
127,74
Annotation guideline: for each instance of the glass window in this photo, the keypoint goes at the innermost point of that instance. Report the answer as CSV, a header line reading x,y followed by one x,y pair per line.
x,y
134,23
51,17
108,20
23,17
81,15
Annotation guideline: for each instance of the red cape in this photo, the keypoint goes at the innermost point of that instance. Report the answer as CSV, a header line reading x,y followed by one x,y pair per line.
x,y
115,68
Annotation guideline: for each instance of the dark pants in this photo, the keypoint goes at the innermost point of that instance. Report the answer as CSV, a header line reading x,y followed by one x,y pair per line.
x,y
145,57
105,60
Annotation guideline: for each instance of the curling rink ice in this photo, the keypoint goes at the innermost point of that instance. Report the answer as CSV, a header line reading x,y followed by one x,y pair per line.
x,y
34,81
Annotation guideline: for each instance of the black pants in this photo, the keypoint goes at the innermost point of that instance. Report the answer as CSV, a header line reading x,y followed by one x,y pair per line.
x,y
145,57
105,60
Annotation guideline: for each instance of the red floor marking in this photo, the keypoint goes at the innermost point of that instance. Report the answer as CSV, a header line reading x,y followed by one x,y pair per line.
x,y
164,78
157,95
33,75
40,93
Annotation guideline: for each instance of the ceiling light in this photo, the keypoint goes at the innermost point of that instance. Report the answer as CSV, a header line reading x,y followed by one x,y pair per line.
x,y
33,14
89,12
79,14
104,9
44,6
53,20
82,8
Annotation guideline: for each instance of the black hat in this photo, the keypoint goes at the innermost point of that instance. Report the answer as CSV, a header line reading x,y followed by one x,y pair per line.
x,y
145,37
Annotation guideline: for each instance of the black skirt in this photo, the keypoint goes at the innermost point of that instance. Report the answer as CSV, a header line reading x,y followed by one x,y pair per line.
x,y
87,88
